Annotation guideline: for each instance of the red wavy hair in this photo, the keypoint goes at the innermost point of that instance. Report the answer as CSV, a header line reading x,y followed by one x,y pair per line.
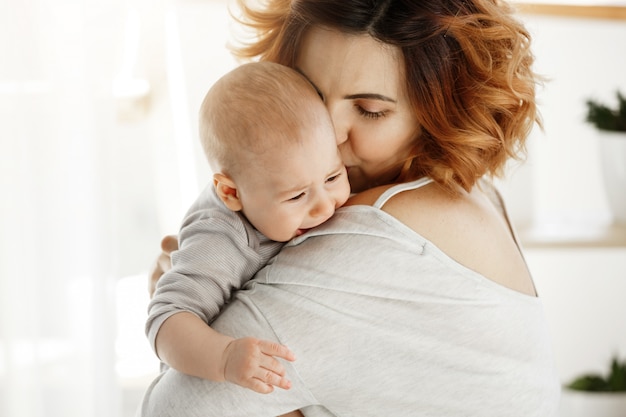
x,y
468,67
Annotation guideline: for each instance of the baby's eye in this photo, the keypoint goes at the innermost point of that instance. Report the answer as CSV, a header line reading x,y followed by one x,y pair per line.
x,y
370,114
296,198
333,178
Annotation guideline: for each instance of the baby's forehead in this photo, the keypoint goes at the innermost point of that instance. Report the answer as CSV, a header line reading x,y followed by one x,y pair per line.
x,y
281,147
305,125
275,148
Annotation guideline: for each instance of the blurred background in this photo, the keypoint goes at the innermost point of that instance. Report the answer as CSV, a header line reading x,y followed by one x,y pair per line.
x,y
99,159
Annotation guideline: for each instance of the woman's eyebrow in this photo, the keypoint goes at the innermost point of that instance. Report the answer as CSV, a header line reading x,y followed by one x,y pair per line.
x,y
369,96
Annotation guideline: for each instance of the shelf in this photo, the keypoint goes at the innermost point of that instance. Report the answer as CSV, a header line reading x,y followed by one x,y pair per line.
x,y
573,234
608,10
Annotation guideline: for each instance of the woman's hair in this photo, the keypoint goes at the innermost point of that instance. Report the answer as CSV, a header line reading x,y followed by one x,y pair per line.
x,y
256,108
467,68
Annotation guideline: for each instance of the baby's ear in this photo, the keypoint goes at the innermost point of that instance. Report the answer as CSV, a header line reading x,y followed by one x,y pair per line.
x,y
227,191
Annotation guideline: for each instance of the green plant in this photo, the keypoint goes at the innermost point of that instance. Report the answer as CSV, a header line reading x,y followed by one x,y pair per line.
x,y
615,381
607,118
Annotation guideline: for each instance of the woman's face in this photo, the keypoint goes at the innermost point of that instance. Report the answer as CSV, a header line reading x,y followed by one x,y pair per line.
x,y
362,83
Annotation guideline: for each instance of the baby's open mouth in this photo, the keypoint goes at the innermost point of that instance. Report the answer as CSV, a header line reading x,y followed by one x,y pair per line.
x,y
301,231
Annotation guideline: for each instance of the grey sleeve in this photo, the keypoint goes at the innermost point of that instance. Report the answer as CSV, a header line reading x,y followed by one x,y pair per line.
x,y
214,260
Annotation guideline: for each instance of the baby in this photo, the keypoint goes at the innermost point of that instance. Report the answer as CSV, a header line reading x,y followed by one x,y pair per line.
x,y
277,173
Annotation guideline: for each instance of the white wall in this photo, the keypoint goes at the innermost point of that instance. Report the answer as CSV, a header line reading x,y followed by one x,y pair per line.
x,y
584,289
581,58
584,292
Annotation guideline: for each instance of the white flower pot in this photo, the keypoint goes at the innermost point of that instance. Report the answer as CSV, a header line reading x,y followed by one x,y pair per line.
x,y
613,161
593,404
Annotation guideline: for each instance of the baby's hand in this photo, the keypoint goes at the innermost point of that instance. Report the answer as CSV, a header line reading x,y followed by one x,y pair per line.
x,y
252,363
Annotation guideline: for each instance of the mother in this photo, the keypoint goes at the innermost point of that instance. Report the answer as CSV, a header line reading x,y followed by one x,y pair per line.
x,y
415,299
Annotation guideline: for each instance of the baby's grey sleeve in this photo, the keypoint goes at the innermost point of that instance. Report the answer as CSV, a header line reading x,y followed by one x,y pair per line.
x,y
213,261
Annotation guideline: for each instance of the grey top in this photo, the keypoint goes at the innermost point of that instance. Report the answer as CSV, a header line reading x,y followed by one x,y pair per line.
x,y
219,252
382,323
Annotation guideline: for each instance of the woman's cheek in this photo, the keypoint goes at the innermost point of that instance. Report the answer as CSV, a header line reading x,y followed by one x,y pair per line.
x,y
365,143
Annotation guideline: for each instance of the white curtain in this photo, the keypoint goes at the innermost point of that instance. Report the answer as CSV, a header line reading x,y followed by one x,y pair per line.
x,y
78,207
98,160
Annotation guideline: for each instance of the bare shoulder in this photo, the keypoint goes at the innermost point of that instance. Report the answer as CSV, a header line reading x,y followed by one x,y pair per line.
x,y
367,197
467,227
425,208
406,204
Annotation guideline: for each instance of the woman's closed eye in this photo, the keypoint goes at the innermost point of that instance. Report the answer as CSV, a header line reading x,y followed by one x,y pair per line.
x,y
371,114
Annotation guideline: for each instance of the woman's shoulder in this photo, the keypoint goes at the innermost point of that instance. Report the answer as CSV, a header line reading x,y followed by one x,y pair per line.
x,y
378,196
469,227
426,208
430,208
367,197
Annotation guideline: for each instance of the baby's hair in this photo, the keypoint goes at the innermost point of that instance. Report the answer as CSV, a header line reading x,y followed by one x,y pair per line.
x,y
256,108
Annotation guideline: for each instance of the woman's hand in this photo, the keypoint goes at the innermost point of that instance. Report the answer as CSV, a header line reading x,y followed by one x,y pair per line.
x,y
252,363
163,262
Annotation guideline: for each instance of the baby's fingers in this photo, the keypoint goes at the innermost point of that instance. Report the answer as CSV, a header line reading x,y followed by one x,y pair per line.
x,y
259,386
277,350
272,379
253,363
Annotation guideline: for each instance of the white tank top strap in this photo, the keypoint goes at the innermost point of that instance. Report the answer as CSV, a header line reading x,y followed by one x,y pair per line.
x,y
398,188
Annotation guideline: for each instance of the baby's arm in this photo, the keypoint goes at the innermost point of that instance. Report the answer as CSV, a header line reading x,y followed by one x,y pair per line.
x,y
187,344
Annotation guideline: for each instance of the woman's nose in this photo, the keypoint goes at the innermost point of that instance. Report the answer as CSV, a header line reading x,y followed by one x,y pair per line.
x,y
341,134
340,122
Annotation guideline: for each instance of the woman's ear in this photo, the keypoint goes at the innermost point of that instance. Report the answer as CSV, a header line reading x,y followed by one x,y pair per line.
x,y
227,191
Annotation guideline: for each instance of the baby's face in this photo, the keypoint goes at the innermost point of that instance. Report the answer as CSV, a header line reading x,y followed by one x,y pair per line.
x,y
296,187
